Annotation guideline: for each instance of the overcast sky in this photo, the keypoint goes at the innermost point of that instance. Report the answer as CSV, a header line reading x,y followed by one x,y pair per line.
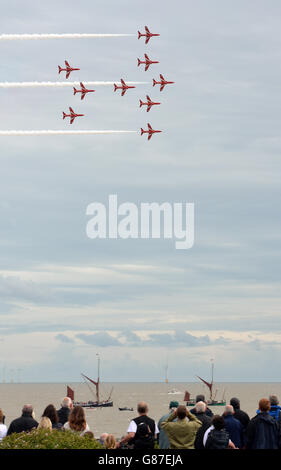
x,y
139,303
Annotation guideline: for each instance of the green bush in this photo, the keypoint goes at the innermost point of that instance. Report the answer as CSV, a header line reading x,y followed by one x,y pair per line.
x,y
45,439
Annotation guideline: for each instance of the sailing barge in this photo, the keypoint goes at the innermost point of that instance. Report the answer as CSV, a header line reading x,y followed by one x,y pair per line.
x,y
212,401
91,404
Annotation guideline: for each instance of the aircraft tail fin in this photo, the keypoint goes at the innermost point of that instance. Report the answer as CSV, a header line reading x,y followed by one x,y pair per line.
x,y
154,82
60,69
139,62
141,103
115,87
75,91
64,115
142,131
139,35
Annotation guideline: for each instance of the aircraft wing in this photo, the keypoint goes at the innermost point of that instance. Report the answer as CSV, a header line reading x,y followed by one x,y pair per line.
x,y
146,56
83,95
161,76
149,137
147,39
72,119
71,110
66,63
146,67
148,99
146,29
67,74
123,92
149,126
122,81
82,86
148,108
161,87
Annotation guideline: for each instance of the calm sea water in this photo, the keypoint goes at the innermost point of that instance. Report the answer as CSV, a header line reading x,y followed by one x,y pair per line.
x,y
13,396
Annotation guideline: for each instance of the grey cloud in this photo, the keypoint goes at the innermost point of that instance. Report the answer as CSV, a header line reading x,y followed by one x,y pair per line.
x,y
64,339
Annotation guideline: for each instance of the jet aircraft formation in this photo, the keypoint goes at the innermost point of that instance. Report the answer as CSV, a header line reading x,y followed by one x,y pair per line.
x,y
147,62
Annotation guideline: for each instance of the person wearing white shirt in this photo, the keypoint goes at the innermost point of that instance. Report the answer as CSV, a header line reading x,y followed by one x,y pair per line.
x,y
3,427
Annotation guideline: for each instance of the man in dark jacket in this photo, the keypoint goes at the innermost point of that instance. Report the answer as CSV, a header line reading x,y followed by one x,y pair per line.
x,y
200,408
208,412
263,430
233,427
24,423
64,411
242,416
132,431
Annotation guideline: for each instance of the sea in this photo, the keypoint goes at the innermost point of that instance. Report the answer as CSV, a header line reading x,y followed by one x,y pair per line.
x,y
157,395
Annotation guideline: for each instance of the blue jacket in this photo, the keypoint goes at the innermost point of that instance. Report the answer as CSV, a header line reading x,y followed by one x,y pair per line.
x,y
274,412
235,430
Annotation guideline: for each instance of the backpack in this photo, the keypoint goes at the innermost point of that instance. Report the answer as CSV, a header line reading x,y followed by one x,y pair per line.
x,y
217,439
143,437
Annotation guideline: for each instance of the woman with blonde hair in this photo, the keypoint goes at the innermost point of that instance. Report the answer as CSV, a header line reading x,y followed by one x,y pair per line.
x,y
45,423
110,442
3,427
77,421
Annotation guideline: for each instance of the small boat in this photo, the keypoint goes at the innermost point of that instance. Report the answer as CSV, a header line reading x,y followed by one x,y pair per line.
x,y
174,392
91,404
125,408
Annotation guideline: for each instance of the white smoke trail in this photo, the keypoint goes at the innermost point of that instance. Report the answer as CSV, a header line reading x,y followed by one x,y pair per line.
x,y
13,37
60,84
60,132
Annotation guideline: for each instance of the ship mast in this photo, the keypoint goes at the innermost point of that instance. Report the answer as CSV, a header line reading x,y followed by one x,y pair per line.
x,y
98,381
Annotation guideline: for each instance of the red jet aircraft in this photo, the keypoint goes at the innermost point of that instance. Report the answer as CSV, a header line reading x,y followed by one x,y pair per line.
x,y
83,91
149,103
147,34
162,83
72,115
147,62
149,131
68,69
123,87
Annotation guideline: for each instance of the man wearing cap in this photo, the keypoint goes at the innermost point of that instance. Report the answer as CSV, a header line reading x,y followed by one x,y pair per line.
x,y
164,442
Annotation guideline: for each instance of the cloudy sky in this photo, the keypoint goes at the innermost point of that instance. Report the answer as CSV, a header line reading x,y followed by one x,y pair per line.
x,y
140,303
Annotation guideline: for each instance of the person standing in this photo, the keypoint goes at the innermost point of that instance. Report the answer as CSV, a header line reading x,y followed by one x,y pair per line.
x,y
132,431
233,427
3,427
263,430
24,423
64,411
200,409
181,433
163,438
216,436
242,416
77,421
208,412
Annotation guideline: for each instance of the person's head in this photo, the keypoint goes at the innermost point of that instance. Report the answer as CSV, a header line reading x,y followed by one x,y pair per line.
x,y
77,419
66,402
51,413
229,410
218,422
181,412
173,405
200,407
110,442
142,408
273,400
200,398
45,423
264,405
103,436
2,417
90,434
235,402
27,409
